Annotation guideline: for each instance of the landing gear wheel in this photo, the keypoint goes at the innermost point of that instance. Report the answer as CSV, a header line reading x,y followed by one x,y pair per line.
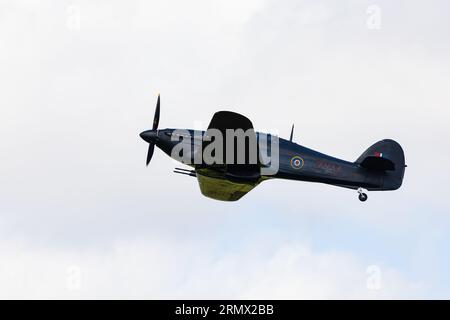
x,y
362,197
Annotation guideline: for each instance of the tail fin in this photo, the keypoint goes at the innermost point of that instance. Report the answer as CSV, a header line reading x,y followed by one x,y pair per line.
x,y
385,156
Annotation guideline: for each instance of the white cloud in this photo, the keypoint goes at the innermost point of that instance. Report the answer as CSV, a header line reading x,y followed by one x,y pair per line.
x,y
143,269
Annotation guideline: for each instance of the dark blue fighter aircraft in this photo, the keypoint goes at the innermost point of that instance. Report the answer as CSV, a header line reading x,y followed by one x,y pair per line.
x,y
381,167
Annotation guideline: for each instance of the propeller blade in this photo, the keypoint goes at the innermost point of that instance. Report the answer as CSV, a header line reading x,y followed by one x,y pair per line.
x,y
156,118
151,148
149,135
292,133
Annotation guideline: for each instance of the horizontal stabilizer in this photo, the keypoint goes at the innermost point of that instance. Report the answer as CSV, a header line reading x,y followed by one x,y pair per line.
x,y
377,163
385,155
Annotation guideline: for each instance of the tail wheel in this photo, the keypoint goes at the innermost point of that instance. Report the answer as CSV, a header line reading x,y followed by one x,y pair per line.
x,y
362,197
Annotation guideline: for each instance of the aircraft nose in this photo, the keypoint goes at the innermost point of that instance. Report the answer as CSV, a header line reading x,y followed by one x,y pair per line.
x,y
149,135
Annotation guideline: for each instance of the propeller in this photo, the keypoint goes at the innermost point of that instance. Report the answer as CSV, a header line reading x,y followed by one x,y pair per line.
x,y
156,117
151,149
151,135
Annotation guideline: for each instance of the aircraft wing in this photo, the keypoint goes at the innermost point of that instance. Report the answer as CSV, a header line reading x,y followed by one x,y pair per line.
x,y
224,120
222,189
229,182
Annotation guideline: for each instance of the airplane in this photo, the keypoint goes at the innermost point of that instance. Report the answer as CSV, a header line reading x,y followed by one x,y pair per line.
x,y
381,167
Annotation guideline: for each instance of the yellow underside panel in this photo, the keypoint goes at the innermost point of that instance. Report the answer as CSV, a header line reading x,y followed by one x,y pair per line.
x,y
221,189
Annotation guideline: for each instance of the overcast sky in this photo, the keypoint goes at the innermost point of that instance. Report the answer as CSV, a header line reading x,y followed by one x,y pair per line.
x,y
82,217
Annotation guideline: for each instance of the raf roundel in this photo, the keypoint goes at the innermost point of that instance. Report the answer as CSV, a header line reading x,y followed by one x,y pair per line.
x,y
297,162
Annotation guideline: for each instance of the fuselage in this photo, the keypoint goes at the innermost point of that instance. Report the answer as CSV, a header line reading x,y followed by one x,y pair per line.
x,y
319,167
295,162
